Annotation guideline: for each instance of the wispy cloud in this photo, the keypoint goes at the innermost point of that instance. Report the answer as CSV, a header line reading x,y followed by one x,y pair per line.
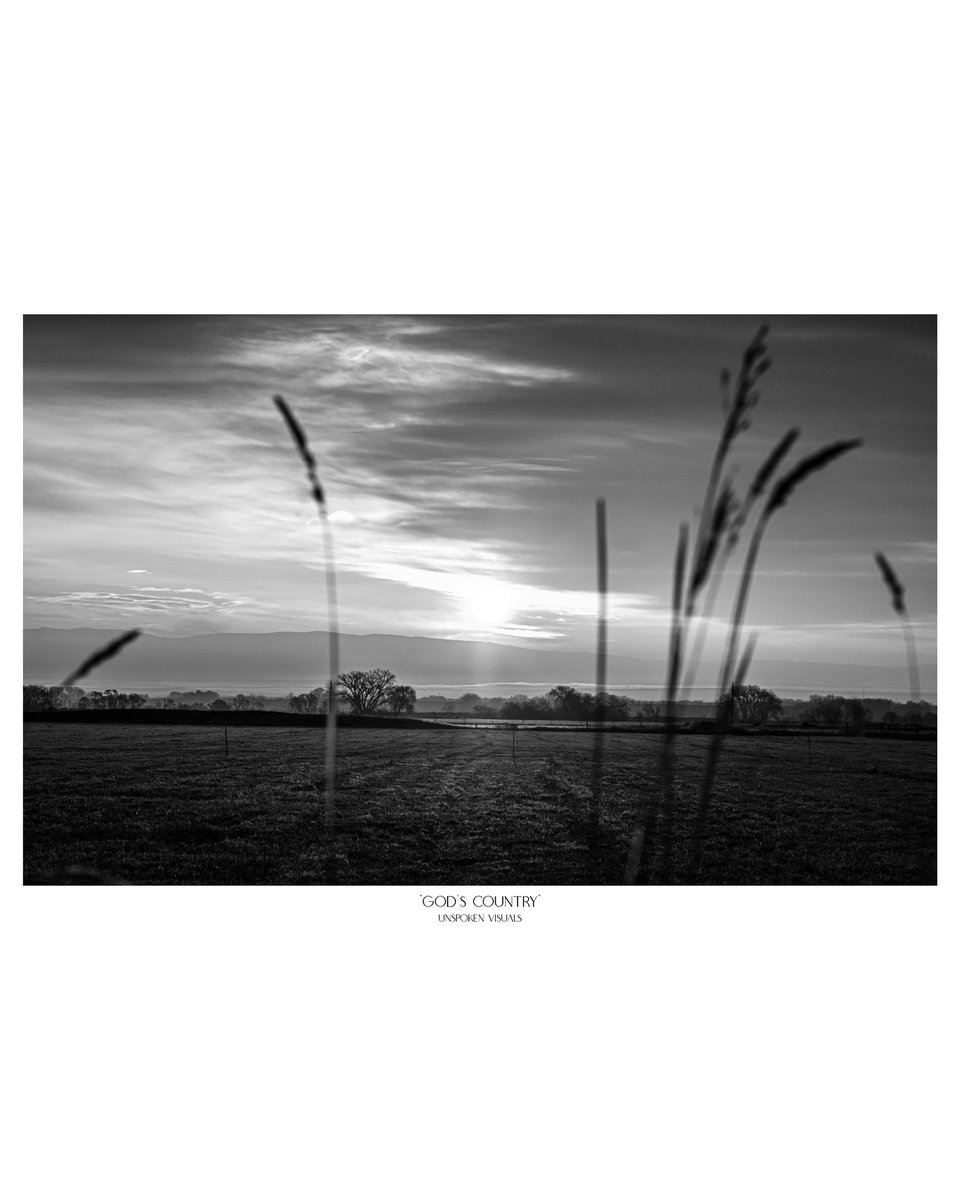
x,y
146,601
384,355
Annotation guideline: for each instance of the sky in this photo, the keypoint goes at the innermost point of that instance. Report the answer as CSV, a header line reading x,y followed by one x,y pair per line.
x,y
462,458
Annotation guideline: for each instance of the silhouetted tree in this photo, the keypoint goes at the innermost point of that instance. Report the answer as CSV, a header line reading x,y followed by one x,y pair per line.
x,y
525,709
401,698
913,712
854,714
570,704
607,707
365,691
824,710
754,705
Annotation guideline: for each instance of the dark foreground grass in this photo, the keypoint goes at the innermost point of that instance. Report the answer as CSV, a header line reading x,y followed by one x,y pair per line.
x,y
449,806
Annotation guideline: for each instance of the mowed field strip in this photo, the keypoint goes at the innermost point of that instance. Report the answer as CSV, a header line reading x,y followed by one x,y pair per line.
x,y
449,806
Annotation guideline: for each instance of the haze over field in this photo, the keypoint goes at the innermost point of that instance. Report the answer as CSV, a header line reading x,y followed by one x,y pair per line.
x,y
461,459
277,663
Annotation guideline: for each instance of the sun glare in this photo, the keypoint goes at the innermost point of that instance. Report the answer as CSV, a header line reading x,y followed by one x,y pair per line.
x,y
488,603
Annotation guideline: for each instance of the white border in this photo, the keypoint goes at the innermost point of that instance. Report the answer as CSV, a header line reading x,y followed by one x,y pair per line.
x,y
527,158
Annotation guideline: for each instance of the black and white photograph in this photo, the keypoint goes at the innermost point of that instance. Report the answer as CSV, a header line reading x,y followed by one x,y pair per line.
x,y
437,600
478,476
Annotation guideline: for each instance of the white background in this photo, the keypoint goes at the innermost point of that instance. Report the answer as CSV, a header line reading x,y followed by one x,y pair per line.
x,y
504,157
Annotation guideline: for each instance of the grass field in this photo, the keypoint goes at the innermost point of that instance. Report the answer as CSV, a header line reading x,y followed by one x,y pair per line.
x,y
450,806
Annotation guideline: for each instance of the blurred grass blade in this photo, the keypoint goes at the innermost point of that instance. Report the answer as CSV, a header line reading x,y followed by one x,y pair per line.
x,y
333,635
100,656
891,579
640,859
897,591
598,733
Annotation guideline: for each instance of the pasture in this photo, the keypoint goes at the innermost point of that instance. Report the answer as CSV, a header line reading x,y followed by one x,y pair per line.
x,y
441,806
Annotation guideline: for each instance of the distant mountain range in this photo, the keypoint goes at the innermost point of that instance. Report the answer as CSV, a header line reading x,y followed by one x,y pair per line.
x,y
277,663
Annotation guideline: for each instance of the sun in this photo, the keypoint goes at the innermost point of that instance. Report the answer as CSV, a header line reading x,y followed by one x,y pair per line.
x,y
487,603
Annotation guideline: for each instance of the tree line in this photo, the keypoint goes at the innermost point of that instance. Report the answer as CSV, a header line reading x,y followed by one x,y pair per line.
x,y
852,713
365,693
38,698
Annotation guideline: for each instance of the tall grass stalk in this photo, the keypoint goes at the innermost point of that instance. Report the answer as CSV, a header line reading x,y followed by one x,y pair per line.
x,y
333,634
598,733
723,721
755,362
716,519
736,526
729,675
722,520
639,867
779,497
896,588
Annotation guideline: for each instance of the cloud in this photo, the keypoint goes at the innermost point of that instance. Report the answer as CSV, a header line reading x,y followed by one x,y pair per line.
x,y
382,355
510,629
481,590
147,601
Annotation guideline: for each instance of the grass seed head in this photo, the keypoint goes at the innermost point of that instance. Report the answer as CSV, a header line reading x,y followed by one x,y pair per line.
x,y
805,467
303,446
756,362
101,656
891,579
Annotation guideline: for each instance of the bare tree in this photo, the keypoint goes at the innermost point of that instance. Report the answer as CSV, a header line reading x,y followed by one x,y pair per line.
x,y
365,691
755,704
